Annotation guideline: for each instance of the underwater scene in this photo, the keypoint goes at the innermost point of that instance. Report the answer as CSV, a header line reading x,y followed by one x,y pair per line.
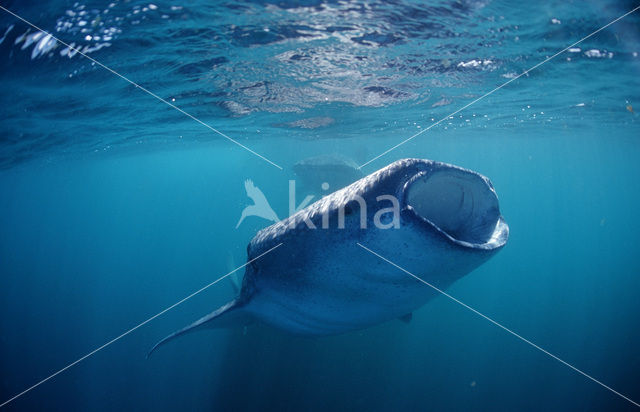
x,y
387,205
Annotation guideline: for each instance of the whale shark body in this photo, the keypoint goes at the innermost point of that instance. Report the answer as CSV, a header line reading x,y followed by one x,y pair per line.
x,y
444,223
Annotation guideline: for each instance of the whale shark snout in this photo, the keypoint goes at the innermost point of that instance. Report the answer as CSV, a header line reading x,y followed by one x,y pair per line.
x,y
445,222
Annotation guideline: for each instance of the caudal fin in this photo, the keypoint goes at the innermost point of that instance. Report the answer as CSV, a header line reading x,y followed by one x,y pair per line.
x,y
229,315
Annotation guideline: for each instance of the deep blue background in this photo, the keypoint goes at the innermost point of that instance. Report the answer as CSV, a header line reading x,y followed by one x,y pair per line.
x,y
113,207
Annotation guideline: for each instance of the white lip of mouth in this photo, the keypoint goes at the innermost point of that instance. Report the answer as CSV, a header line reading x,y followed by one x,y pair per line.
x,y
460,204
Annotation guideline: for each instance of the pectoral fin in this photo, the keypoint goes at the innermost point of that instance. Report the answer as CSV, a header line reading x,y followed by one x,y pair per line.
x,y
234,279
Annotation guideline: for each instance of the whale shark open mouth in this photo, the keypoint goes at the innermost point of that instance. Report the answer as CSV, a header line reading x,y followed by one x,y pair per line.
x,y
459,203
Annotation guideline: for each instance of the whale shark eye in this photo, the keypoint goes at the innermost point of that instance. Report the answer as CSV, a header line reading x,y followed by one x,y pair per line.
x,y
458,202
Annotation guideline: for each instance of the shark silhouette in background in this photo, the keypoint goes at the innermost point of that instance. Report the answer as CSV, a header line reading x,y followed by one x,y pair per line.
x,y
260,206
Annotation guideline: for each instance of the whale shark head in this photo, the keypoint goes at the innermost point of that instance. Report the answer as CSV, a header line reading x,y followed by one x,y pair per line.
x,y
459,203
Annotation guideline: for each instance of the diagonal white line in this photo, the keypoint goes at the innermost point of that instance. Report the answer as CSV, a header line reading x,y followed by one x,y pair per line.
x,y
499,325
135,327
150,93
498,88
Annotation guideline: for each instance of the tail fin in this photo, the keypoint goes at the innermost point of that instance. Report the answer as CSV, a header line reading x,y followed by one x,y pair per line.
x,y
228,315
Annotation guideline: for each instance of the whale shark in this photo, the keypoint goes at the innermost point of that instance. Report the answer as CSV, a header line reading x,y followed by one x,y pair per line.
x,y
436,220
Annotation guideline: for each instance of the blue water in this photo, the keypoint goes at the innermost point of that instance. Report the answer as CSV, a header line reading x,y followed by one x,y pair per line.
x,y
114,206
